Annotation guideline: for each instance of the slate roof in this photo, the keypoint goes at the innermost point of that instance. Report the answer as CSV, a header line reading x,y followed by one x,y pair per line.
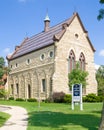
x,y
44,39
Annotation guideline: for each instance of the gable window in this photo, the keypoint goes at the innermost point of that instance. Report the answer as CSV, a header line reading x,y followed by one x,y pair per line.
x,y
43,85
76,36
71,61
82,61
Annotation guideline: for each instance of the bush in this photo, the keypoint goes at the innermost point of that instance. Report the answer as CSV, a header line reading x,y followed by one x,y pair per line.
x,y
101,98
19,99
48,100
31,100
11,98
92,98
67,98
3,93
58,97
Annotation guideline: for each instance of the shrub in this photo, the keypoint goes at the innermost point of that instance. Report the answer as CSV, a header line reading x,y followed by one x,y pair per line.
x,y
48,100
11,98
19,99
67,98
3,93
100,98
31,100
58,97
92,98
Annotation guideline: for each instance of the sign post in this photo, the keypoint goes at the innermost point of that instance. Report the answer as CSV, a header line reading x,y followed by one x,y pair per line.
x,y
77,95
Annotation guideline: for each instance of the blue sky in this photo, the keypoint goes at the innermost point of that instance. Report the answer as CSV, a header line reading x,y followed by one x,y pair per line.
x,y
25,18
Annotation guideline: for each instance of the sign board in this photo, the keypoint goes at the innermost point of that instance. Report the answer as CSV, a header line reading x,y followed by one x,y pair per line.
x,y
77,95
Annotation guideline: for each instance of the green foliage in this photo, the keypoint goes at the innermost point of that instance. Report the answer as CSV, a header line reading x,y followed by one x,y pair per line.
x,y
19,99
101,11
3,118
48,100
67,98
100,80
11,98
2,62
3,70
1,73
53,116
77,76
101,1
31,100
3,93
92,98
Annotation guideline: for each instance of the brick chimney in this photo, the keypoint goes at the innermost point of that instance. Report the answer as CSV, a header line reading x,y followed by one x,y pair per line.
x,y
46,23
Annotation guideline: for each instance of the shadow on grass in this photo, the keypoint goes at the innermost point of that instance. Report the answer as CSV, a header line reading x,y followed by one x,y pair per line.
x,y
58,120
2,120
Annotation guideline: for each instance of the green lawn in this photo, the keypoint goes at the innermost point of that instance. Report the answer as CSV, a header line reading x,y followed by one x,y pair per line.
x,y
3,118
51,116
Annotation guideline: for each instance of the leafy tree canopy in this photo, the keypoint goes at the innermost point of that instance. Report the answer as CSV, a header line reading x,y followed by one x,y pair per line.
x,y
101,11
2,62
77,76
100,80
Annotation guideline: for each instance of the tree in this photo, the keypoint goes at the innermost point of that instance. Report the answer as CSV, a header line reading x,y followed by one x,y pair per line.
x,y
100,80
3,71
101,11
2,64
77,76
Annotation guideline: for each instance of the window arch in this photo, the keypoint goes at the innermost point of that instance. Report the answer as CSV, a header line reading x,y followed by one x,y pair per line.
x,y
82,61
71,61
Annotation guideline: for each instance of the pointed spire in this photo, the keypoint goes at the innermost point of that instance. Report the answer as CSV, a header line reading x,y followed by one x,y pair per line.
x,y
46,23
47,18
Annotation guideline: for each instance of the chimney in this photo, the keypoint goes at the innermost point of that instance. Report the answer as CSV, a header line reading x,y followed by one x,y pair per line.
x,y
46,23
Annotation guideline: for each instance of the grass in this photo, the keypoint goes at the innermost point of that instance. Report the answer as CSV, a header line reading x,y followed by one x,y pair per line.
x,y
3,118
51,116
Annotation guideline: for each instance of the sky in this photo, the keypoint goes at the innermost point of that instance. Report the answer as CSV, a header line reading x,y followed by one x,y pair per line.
x,y
24,18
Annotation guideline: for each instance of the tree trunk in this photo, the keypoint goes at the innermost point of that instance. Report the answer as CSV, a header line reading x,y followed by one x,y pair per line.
x,y
102,119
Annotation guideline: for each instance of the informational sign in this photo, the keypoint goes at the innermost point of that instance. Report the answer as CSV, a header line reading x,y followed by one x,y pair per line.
x,y
77,95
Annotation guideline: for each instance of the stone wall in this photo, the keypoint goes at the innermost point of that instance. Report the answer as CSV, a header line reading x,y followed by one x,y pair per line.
x,y
78,44
29,70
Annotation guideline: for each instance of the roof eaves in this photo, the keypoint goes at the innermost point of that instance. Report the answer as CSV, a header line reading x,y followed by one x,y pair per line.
x,y
30,51
90,44
59,35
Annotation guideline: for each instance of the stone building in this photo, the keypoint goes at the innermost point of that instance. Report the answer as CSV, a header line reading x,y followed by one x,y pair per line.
x,y
40,65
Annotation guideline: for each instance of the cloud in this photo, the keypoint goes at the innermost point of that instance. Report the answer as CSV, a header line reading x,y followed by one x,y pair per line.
x,y
101,53
6,50
96,66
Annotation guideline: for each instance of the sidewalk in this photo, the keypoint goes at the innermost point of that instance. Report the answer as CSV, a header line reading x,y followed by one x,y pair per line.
x,y
18,119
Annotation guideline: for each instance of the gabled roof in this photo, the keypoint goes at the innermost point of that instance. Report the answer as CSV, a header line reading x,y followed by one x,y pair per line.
x,y
44,39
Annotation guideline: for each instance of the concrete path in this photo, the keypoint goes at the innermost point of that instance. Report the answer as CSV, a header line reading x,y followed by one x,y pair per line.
x,y
18,119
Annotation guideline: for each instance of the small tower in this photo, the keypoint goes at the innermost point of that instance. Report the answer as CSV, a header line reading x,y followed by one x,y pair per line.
x,y
46,23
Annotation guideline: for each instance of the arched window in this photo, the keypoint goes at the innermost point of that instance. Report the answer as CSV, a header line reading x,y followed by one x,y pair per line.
x,y
82,61
71,61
